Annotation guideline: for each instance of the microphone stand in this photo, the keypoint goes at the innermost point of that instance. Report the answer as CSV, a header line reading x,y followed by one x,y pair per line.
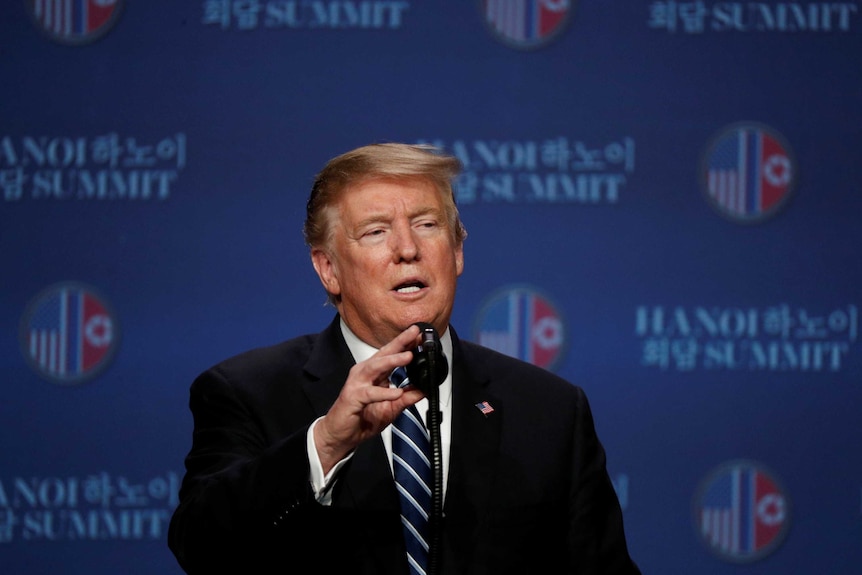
x,y
434,418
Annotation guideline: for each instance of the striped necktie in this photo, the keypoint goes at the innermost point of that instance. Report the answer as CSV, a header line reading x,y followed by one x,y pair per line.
x,y
411,463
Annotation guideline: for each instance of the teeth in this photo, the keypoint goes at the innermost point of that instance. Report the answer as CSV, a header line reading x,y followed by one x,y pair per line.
x,y
408,289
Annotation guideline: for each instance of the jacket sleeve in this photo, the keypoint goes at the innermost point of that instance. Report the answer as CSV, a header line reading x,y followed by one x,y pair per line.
x,y
245,492
596,536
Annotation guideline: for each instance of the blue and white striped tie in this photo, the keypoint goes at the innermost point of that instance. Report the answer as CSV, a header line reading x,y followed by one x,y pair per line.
x,y
410,450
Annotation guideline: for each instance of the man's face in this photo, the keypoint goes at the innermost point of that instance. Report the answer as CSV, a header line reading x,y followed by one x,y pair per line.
x,y
392,259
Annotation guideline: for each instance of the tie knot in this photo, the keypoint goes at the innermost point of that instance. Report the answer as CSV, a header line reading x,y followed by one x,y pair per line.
x,y
399,377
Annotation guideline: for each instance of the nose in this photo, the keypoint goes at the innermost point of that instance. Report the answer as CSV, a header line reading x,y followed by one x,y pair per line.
x,y
404,244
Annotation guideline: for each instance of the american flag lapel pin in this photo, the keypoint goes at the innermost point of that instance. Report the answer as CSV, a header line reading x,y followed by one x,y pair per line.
x,y
484,407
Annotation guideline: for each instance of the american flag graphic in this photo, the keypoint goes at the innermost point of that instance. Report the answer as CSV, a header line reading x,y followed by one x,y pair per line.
x,y
69,332
748,172
742,511
526,21
522,324
485,407
72,18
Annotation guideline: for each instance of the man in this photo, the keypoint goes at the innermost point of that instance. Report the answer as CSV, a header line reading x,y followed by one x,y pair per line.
x,y
291,465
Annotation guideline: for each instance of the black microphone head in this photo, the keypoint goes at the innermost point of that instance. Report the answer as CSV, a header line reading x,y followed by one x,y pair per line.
x,y
429,335
428,353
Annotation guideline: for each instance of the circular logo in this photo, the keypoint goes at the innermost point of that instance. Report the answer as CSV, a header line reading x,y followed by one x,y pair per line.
x,y
748,172
68,333
526,24
520,322
741,512
75,22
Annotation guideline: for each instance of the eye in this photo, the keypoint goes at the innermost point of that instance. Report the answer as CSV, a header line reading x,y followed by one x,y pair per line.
x,y
427,223
373,233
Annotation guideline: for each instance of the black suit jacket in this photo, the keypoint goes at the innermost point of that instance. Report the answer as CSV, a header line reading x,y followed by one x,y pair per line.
x,y
527,491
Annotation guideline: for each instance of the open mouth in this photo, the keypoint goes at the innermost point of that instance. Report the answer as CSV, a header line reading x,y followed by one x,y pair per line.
x,y
410,287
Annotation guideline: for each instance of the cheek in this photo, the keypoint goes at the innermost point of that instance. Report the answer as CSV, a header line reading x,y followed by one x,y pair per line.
x,y
370,261
357,272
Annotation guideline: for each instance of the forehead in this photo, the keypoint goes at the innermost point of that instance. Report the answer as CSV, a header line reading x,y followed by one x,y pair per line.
x,y
386,195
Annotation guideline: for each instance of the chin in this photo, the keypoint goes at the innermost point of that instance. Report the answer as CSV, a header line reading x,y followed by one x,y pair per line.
x,y
413,317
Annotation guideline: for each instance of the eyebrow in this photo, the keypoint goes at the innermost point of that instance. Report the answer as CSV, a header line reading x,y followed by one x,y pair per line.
x,y
381,217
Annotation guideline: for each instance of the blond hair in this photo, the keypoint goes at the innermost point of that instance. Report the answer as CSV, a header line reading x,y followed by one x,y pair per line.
x,y
384,161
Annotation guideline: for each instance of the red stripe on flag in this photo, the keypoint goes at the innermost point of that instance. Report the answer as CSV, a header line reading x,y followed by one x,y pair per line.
x,y
773,158
98,16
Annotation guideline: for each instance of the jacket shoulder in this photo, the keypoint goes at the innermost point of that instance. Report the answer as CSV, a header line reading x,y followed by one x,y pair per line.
x,y
505,371
288,352
260,366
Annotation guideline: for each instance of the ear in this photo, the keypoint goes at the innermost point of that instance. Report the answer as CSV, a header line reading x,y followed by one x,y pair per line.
x,y
326,270
459,259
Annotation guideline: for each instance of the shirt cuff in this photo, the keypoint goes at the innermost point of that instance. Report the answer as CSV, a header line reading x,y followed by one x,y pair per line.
x,y
321,483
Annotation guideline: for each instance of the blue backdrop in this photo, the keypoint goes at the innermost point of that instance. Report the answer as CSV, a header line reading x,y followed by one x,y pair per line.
x,y
662,200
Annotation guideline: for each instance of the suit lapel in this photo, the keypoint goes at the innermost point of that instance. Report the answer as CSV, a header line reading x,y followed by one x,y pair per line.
x,y
472,460
327,367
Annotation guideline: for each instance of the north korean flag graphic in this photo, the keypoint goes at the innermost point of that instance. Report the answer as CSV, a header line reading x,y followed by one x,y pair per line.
x,y
526,22
74,20
743,513
521,323
749,173
68,333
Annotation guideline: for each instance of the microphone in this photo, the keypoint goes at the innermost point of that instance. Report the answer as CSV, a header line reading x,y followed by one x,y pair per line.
x,y
427,371
429,367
